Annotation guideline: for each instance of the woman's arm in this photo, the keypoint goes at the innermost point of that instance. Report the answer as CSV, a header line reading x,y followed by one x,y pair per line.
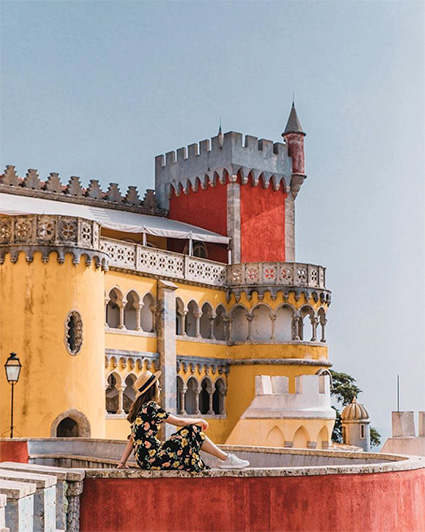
x,y
183,421
126,454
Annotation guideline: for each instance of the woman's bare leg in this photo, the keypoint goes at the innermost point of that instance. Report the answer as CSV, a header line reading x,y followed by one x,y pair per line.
x,y
211,448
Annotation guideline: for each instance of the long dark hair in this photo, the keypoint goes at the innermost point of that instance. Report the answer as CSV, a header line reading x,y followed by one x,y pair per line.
x,y
149,395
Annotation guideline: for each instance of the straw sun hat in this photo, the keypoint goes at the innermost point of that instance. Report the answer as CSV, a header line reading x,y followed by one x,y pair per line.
x,y
145,381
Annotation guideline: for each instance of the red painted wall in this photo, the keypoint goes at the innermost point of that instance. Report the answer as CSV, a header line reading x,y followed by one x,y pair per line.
x,y
383,502
262,224
14,451
204,208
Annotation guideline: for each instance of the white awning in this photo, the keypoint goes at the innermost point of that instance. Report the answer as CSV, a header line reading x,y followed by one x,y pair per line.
x,y
127,222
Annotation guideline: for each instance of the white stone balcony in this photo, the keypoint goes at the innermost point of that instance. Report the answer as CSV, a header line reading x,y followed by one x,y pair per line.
x,y
248,277
153,261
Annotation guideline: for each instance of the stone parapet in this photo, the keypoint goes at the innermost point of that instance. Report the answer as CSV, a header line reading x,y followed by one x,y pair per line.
x,y
44,498
285,277
50,233
160,263
19,509
222,159
68,488
73,192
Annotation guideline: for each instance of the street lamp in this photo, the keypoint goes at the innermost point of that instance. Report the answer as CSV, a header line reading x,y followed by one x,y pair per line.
x,y
13,369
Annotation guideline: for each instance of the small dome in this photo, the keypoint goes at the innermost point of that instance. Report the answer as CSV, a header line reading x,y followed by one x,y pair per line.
x,y
354,412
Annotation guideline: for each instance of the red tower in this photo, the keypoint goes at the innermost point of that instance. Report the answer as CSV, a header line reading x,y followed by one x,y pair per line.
x,y
244,190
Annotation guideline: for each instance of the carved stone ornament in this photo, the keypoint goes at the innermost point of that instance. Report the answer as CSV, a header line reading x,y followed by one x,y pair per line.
x,y
47,233
73,333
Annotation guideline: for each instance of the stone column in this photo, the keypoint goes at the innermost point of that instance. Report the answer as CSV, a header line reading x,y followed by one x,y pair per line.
x,y
138,311
296,326
273,317
323,323
197,324
121,305
120,390
182,393
234,219
250,320
197,391
314,325
210,401
289,228
183,322
166,327
212,318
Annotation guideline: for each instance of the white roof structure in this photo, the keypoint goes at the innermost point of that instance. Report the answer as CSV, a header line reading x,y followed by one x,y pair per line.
x,y
117,220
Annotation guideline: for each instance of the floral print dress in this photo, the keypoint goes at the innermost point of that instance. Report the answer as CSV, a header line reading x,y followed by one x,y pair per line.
x,y
181,451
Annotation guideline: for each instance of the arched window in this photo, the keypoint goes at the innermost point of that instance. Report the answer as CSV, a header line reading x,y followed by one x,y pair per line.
x,y
192,396
131,310
307,324
74,333
67,428
261,326
199,249
148,313
239,317
112,395
283,327
205,397
218,397
129,394
322,322
206,320
180,326
113,309
192,318
219,329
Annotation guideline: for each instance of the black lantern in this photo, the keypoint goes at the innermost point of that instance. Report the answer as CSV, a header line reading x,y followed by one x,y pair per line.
x,y
13,369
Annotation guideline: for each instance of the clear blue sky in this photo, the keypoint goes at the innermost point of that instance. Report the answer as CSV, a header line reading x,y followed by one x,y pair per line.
x,y
97,89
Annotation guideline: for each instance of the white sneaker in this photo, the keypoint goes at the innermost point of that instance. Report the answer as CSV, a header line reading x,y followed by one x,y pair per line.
x,y
233,462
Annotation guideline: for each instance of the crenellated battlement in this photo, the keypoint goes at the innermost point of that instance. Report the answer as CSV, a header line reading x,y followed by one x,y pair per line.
x,y
272,398
74,192
222,159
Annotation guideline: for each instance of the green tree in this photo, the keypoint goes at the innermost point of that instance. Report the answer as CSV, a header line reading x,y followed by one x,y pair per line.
x,y
343,391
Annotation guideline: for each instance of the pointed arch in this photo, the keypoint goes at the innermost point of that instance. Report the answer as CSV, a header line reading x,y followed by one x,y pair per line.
x,y
180,310
301,437
275,438
147,313
323,438
284,325
261,325
307,320
219,327
129,393
206,319
239,318
192,317
131,310
114,302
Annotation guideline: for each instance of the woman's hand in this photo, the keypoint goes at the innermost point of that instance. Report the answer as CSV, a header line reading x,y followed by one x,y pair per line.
x,y
122,466
204,424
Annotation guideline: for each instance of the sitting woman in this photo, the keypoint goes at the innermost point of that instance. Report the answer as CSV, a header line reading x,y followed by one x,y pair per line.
x,y
182,450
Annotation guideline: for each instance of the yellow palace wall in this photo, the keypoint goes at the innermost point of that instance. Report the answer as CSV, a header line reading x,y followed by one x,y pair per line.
x,y
35,301
241,379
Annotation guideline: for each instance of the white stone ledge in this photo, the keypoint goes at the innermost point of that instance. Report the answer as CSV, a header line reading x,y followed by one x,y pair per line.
x,y
408,464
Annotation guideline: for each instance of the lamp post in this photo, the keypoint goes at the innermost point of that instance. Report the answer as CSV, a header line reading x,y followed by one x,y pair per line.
x,y
13,369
